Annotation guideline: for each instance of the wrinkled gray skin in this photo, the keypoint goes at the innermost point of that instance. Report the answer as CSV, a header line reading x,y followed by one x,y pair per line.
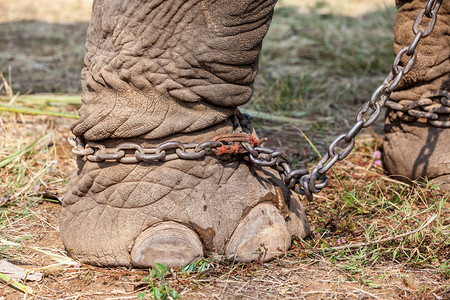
x,y
415,150
177,70
173,70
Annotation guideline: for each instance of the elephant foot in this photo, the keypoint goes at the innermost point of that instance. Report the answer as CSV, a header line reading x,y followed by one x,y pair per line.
x,y
168,243
175,212
417,150
261,235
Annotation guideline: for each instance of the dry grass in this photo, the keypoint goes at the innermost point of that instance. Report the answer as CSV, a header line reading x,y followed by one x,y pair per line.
x,y
367,207
362,204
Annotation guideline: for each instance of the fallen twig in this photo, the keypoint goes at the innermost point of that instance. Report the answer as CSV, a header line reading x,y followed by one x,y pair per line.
x,y
385,178
60,259
428,222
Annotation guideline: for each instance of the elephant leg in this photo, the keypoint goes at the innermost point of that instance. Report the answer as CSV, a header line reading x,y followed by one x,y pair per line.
x,y
162,71
415,147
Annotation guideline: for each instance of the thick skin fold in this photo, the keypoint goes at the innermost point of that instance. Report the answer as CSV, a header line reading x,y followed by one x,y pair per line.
x,y
155,68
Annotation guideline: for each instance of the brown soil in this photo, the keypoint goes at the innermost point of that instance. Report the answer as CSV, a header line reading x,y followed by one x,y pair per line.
x,y
300,274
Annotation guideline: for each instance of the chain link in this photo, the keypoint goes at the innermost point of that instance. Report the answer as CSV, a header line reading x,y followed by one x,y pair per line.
x,y
123,153
300,180
434,106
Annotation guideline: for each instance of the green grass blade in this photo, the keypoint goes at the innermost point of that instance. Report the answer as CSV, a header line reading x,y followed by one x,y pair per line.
x,y
47,98
76,100
272,117
308,140
15,155
33,111
16,284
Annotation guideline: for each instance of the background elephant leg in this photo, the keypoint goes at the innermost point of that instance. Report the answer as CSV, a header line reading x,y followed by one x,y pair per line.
x,y
413,148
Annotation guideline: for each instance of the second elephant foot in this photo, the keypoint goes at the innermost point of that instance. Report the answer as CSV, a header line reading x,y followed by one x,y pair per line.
x,y
261,235
416,150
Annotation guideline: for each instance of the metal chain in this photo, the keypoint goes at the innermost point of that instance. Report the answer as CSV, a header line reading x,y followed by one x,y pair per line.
x,y
303,182
96,152
300,180
425,108
130,153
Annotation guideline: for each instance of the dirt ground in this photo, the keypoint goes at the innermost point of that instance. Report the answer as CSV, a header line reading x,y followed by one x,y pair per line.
x,y
302,273
41,51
